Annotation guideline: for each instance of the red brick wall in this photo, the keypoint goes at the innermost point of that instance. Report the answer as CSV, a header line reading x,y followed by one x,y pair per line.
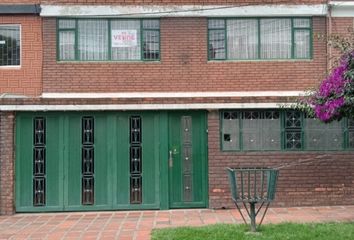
x,y
183,67
27,79
6,163
326,182
342,27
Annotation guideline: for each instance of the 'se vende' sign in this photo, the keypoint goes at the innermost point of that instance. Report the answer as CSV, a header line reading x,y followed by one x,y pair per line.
x,y
124,38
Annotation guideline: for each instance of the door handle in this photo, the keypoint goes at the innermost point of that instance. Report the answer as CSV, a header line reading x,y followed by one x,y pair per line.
x,y
170,159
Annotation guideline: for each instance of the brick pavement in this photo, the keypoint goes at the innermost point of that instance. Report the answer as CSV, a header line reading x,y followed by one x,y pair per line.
x,y
137,225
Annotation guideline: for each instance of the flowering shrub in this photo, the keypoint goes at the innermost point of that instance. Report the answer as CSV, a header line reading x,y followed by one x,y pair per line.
x,y
334,98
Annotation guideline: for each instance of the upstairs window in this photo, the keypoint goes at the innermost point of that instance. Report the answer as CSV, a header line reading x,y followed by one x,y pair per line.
x,y
108,40
10,45
259,38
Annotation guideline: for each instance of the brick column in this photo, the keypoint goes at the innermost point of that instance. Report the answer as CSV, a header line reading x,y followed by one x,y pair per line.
x,y
7,163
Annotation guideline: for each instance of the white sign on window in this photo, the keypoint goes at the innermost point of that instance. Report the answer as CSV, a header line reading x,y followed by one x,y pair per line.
x,y
2,42
124,38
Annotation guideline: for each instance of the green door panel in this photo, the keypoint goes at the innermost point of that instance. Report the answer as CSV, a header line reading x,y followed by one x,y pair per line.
x,y
161,186
188,159
24,164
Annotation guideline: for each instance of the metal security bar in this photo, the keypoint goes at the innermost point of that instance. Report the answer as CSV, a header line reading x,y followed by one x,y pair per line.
x,y
252,186
87,159
39,161
285,130
135,160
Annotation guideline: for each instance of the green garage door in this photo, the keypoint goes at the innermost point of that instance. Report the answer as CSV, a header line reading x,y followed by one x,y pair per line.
x,y
99,161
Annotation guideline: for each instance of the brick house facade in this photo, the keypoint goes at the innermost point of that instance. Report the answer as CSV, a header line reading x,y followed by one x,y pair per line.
x,y
62,92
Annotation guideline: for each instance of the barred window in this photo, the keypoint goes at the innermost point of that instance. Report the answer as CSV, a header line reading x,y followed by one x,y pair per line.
x,y
259,38
10,45
321,136
108,39
289,130
251,130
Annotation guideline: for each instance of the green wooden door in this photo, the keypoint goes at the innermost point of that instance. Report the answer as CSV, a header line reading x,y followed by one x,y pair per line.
x,y
87,161
187,159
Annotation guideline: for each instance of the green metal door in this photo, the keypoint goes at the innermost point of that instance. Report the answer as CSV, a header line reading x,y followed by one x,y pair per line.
x,y
87,161
187,159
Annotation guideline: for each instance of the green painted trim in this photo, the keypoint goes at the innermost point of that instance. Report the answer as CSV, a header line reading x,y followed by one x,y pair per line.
x,y
87,208
141,40
188,205
260,40
109,41
64,156
205,170
17,160
311,38
292,39
76,40
283,130
225,43
109,48
57,40
164,168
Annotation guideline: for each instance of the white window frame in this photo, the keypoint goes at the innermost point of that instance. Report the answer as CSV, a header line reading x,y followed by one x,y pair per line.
x,y
14,66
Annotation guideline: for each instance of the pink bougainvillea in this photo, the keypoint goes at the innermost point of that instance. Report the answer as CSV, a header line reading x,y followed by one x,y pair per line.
x,y
335,93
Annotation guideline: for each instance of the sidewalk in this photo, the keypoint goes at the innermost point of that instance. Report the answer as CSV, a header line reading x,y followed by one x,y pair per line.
x,y
137,225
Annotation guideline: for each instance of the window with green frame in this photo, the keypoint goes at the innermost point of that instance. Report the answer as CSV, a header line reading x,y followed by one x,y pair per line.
x,y
273,130
259,38
108,39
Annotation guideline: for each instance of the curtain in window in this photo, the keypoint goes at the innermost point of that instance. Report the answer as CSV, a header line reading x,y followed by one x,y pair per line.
x,y
67,45
275,38
242,39
127,52
302,43
93,39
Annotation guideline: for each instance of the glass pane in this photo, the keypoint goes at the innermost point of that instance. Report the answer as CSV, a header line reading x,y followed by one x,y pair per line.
x,y
320,136
301,23
271,134
351,139
66,45
261,131
230,131
217,44
251,132
93,39
252,136
151,24
10,45
242,39
216,23
302,44
151,46
275,38
126,40
66,24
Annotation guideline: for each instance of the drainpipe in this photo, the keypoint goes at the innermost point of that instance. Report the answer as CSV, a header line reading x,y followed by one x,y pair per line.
x,y
329,33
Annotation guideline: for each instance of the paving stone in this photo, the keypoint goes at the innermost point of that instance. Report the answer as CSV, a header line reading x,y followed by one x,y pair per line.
x,y
137,225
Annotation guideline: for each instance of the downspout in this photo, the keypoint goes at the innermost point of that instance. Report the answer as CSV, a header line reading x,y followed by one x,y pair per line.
x,y
329,33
